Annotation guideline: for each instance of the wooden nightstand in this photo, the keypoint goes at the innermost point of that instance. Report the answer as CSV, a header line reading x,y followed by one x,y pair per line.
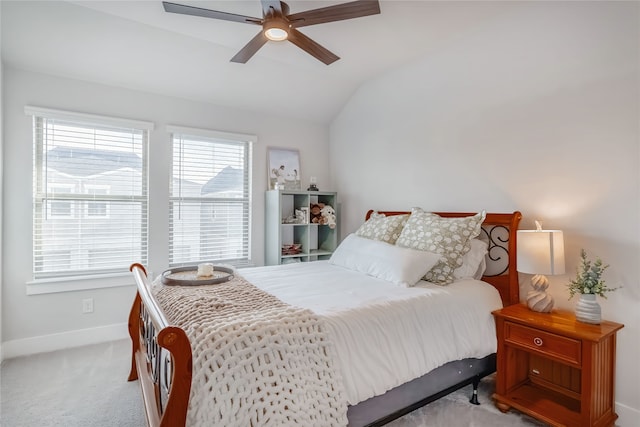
x,y
554,368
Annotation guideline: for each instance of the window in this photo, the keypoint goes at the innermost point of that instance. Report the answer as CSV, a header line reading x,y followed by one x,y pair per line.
x,y
209,197
89,194
99,206
58,206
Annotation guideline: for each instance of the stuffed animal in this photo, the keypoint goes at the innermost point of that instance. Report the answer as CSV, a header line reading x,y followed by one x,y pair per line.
x,y
315,215
328,216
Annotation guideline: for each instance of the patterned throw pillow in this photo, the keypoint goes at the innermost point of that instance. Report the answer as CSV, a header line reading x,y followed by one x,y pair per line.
x,y
382,227
449,237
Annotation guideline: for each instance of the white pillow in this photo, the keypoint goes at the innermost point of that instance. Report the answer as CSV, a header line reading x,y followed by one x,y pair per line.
x,y
401,266
473,262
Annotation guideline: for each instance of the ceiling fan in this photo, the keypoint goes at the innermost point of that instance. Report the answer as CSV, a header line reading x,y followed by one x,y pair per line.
x,y
278,25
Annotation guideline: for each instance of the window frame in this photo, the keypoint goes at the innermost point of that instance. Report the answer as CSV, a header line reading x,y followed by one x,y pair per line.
x,y
50,283
247,139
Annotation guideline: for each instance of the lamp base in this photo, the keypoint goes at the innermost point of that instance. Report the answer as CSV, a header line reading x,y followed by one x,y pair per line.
x,y
538,299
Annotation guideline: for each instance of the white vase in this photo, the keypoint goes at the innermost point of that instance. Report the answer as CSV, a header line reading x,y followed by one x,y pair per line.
x,y
588,309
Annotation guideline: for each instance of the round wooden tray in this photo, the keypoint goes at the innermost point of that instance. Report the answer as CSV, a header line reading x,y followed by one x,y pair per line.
x,y
188,276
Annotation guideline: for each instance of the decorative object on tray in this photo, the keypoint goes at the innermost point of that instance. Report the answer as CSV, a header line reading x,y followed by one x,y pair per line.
x,y
312,184
588,283
292,249
284,169
203,274
540,252
204,270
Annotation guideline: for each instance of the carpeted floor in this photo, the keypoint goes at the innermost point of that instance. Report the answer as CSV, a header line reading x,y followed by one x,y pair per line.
x,y
87,387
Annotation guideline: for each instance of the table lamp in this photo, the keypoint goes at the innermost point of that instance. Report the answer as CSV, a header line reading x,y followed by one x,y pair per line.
x,y
540,252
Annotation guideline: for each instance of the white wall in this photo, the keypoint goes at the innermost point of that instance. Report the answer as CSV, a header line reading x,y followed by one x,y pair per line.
x,y
26,320
538,112
1,187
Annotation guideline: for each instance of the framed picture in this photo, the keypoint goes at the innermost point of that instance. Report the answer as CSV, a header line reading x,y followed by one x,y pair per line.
x,y
283,168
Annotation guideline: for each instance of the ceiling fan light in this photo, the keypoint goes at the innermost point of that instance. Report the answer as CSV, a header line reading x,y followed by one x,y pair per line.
x,y
276,34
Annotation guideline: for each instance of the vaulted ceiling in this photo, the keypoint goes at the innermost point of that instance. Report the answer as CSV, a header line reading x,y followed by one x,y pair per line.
x,y
137,45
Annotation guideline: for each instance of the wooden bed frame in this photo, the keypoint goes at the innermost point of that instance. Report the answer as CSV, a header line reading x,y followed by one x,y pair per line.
x,y
161,353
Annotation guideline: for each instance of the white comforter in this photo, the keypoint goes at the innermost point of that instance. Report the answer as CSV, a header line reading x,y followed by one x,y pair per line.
x,y
386,335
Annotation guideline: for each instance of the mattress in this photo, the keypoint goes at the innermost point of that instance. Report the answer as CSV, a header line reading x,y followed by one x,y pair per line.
x,y
385,335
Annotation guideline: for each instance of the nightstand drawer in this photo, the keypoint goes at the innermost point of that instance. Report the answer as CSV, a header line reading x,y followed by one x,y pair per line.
x,y
545,343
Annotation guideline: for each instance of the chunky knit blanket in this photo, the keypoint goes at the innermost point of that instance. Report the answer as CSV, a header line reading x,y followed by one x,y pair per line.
x,y
256,360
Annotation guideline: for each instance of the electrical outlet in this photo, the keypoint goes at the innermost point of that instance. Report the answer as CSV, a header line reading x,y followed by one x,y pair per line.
x,y
87,305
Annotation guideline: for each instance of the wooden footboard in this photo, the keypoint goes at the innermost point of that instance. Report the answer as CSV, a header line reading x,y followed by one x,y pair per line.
x,y
160,358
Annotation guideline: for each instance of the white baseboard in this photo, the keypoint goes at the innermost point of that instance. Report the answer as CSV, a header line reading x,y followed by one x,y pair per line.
x,y
59,341
627,416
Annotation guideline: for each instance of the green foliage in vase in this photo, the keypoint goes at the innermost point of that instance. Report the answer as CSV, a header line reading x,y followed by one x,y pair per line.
x,y
589,278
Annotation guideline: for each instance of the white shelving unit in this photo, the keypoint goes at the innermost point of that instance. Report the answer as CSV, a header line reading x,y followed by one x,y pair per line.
x,y
317,241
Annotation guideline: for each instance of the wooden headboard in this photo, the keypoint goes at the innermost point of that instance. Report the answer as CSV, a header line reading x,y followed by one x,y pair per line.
x,y
500,231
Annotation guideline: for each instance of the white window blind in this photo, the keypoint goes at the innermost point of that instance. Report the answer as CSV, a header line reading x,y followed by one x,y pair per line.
x,y
210,202
89,194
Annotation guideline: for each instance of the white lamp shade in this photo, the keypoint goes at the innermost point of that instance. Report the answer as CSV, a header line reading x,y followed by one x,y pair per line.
x,y
540,252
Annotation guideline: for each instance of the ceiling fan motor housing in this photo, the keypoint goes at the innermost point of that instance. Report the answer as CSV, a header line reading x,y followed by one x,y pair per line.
x,y
276,23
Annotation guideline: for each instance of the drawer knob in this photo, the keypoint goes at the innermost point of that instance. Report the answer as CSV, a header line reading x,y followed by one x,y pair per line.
x,y
538,341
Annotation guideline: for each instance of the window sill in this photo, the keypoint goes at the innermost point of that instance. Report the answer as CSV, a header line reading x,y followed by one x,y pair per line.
x,y
79,283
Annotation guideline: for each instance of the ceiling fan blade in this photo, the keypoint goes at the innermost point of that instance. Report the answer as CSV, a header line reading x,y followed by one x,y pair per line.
x,y
207,13
250,48
339,12
311,47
